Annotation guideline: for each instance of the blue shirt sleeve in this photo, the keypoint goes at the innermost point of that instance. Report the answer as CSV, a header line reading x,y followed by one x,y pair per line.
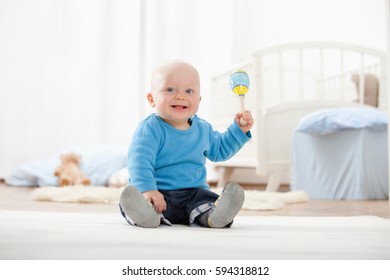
x,y
225,145
142,156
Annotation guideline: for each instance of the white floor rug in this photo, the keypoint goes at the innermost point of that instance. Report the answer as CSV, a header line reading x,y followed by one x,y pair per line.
x,y
58,235
254,200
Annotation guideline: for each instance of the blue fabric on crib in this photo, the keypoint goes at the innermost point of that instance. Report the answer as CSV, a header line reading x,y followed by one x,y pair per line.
x,y
350,164
338,119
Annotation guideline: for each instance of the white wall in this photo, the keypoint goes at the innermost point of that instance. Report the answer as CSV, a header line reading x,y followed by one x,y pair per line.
x,y
262,23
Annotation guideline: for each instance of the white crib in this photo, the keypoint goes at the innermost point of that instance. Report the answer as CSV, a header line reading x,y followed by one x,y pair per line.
x,y
288,82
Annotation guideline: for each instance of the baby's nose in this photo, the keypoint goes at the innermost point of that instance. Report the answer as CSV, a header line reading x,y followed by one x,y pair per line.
x,y
180,95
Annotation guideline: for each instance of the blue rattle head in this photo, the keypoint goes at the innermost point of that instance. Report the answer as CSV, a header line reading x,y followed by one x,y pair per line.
x,y
239,82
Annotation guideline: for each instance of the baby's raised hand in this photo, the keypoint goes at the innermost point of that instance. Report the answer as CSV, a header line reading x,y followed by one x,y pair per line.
x,y
248,119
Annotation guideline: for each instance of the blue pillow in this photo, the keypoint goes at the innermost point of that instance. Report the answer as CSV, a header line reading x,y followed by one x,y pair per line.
x,y
338,119
98,163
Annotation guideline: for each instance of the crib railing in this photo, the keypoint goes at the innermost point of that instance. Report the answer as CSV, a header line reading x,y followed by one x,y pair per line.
x,y
329,66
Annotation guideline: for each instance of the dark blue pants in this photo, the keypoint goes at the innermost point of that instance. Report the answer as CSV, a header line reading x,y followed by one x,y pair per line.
x,y
183,206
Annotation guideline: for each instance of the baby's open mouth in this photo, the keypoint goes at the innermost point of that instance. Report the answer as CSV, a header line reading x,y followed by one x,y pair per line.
x,y
179,106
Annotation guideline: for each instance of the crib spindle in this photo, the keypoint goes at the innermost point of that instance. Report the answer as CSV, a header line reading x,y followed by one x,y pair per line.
x,y
280,70
361,79
301,88
322,86
342,78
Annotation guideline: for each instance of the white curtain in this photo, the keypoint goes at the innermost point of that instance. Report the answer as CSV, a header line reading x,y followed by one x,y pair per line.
x,y
68,76
75,72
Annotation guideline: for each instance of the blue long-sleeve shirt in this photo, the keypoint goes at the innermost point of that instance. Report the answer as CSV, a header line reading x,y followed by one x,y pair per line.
x,y
161,157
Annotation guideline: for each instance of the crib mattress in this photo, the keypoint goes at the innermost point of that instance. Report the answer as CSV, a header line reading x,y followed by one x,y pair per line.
x,y
350,165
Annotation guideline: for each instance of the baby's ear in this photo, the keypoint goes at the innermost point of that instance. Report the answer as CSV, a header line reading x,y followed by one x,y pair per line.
x,y
150,98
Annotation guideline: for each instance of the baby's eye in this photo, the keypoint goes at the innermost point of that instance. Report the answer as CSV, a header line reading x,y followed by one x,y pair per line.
x,y
190,91
170,89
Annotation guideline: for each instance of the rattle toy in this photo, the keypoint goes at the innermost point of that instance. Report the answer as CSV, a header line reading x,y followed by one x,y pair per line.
x,y
239,84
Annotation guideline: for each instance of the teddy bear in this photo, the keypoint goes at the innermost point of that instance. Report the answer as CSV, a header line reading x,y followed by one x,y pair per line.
x,y
69,172
371,88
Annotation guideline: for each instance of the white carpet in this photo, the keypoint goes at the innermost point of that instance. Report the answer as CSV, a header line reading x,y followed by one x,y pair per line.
x,y
254,200
59,235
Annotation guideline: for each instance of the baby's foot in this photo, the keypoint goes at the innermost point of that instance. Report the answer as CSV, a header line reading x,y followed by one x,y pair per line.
x,y
227,206
138,209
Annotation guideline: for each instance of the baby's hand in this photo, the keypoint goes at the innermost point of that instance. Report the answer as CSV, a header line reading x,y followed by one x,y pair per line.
x,y
156,199
247,118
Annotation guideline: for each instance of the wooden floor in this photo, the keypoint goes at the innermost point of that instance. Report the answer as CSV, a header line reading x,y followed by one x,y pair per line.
x,y
17,198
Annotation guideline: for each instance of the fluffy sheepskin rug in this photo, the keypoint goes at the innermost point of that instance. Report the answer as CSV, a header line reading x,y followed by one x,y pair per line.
x,y
254,199
262,200
79,194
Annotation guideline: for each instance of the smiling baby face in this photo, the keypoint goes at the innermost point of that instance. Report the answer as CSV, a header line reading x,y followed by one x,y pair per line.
x,y
175,92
